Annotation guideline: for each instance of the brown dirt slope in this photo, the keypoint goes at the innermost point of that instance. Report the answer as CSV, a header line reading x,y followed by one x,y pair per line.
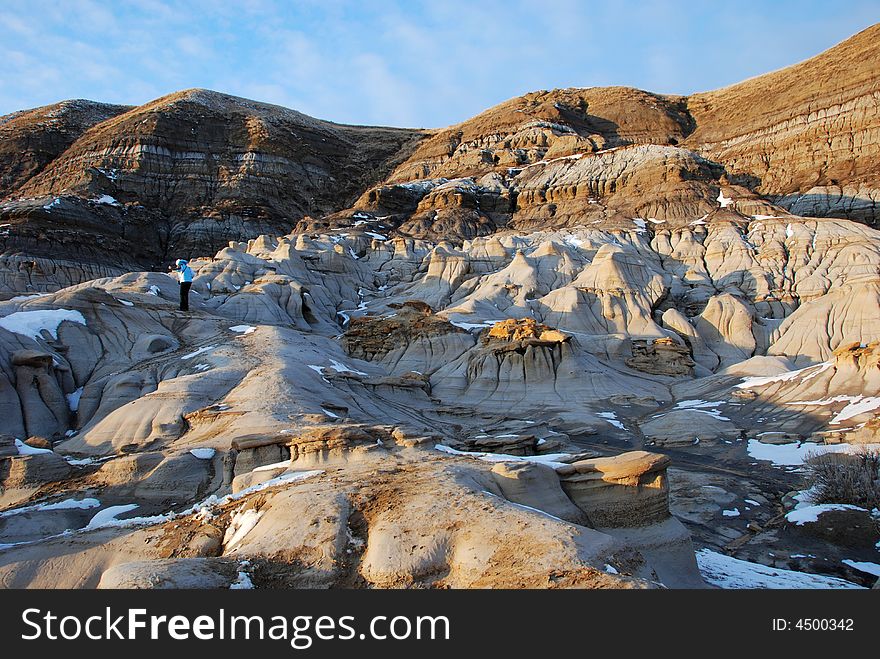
x,y
31,139
814,124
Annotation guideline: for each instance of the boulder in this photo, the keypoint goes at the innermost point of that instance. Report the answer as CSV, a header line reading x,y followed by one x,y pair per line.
x,y
33,470
627,490
662,356
537,486
682,427
627,496
177,573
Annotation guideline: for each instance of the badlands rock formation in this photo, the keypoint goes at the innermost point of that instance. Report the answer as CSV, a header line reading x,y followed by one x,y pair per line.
x,y
114,188
557,345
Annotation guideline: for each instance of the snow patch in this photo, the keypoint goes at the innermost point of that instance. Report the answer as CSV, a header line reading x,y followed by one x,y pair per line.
x,y
243,329
285,464
67,504
32,323
472,326
242,582
550,459
728,572
240,525
203,453
611,418
801,374
339,367
701,406
32,296
107,517
198,352
809,514
573,241
73,399
25,449
794,454
863,566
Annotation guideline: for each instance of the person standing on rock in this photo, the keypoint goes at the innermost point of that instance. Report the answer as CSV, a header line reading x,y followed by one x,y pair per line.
x,y
184,276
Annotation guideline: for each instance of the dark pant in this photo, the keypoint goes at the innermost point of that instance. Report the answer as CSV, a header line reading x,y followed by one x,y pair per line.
x,y
184,295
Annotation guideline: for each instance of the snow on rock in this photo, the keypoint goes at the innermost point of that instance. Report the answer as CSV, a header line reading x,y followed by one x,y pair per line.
x,y
243,329
794,454
239,526
275,465
423,185
855,408
80,462
801,374
107,517
203,453
73,399
242,582
573,241
106,199
283,479
32,323
32,296
611,418
339,367
472,326
67,504
723,201
807,514
25,449
863,566
703,407
728,572
198,352
731,513
550,459
856,405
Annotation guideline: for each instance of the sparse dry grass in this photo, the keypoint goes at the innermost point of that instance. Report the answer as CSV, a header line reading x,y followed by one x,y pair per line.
x,y
852,478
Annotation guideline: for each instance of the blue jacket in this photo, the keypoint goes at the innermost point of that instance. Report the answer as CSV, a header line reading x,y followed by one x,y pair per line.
x,y
185,274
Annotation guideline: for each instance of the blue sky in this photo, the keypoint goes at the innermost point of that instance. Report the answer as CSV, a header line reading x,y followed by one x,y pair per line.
x,y
400,63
